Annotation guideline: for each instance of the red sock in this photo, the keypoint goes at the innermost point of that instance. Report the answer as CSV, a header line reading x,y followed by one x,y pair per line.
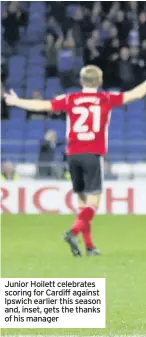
x,y
84,217
87,237
77,227
87,214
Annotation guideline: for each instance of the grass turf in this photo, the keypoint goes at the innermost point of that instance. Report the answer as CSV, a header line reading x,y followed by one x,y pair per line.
x,y
32,246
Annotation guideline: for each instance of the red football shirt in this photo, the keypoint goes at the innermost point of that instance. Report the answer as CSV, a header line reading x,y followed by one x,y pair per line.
x,y
88,117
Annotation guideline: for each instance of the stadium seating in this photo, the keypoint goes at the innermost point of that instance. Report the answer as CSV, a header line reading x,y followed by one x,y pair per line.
x,y
127,135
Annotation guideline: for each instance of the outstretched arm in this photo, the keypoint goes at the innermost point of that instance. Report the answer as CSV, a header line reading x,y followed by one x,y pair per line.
x,y
12,99
136,93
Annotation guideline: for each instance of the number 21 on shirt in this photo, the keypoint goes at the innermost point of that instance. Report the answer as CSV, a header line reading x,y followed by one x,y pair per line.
x,y
80,126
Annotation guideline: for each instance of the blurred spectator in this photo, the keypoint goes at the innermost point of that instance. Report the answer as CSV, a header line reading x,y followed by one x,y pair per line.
x,y
86,26
138,65
12,19
68,77
123,26
4,107
47,153
77,33
68,49
8,171
111,78
47,150
125,70
51,52
82,27
125,73
31,114
69,42
110,52
112,43
92,54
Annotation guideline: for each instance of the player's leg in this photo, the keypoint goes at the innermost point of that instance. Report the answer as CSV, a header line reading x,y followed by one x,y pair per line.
x,y
76,173
81,200
88,213
90,165
93,177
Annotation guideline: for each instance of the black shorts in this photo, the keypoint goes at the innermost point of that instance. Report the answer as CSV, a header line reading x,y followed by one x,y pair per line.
x,y
86,172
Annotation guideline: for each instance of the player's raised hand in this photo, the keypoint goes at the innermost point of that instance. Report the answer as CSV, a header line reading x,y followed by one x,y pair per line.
x,y
11,98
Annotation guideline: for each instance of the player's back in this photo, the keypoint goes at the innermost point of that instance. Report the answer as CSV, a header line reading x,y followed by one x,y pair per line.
x,y
88,119
88,115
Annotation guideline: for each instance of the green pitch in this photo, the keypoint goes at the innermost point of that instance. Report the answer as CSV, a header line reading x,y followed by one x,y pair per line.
x,y
32,246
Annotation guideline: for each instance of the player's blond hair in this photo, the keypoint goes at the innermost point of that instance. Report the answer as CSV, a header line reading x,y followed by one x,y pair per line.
x,y
91,76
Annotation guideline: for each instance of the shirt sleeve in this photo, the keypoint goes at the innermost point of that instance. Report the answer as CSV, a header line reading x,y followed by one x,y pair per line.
x,y
59,103
115,100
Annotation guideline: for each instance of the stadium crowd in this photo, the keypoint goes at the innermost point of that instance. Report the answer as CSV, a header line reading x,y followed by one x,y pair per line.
x,y
111,35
